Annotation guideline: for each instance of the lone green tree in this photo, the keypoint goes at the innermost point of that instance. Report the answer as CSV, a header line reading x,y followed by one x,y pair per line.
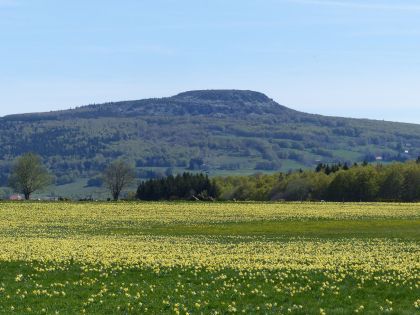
x,y
29,175
117,176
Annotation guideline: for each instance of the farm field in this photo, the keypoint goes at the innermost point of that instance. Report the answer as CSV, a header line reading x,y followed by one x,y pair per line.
x,y
209,258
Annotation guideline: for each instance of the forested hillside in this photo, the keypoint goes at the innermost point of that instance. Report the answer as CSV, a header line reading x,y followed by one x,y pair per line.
x,y
218,131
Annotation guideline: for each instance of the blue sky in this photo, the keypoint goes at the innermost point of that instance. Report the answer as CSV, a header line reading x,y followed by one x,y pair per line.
x,y
344,58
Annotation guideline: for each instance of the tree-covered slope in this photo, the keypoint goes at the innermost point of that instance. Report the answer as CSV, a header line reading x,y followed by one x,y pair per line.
x,y
220,131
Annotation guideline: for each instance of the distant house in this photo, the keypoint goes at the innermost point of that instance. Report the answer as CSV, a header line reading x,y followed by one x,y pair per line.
x,y
16,197
379,158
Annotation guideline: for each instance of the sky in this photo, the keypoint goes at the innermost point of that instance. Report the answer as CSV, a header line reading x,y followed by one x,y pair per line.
x,y
334,57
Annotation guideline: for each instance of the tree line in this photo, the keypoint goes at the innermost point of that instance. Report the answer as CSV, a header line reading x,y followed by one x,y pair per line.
x,y
185,186
329,182
364,182
29,175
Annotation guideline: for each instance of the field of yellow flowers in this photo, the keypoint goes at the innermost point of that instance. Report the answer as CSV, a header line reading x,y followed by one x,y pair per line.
x,y
209,258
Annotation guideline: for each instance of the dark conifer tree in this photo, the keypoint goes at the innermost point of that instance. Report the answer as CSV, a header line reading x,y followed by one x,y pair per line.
x,y
185,186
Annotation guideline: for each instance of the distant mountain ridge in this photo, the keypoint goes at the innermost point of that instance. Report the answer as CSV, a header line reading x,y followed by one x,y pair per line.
x,y
202,102
218,131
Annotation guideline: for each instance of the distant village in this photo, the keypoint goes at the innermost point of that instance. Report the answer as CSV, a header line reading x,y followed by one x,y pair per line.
x,y
20,197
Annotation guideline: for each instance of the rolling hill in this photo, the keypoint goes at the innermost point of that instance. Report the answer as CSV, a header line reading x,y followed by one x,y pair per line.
x,y
218,131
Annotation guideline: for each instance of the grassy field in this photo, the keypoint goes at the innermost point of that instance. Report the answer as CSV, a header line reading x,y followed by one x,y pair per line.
x,y
219,258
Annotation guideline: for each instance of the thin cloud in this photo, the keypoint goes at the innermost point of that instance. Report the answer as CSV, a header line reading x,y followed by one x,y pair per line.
x,y
360,5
